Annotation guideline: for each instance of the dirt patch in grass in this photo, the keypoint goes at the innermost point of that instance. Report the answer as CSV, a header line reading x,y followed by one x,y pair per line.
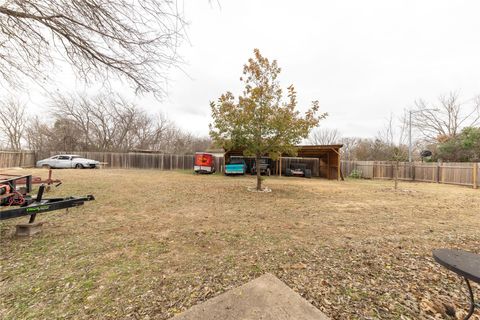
x,y
155,243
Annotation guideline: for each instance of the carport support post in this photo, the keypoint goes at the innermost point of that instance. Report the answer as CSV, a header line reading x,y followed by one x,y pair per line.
x,y
338,163
328,166
280,167
338,168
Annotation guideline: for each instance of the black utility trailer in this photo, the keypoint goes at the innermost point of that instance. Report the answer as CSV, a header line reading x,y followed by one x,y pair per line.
x,y
15,200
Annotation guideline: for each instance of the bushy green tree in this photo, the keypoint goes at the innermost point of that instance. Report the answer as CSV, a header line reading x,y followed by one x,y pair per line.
x,y
261,121
463,147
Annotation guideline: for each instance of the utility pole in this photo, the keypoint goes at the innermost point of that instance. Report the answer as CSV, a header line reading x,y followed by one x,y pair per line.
x,y
410,136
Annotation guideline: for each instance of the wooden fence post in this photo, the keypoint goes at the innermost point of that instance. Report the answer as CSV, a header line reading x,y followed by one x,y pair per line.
x,y
396,175
437,178
475,174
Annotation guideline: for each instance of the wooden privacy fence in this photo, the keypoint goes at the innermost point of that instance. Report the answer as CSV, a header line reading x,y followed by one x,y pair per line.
x,y
10,159
111,159
128,160
459,173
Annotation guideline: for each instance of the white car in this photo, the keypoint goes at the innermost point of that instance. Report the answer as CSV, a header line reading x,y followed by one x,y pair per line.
x,y
67,161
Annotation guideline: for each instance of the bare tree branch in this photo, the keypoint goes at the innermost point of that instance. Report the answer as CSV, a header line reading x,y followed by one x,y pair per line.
x,y
132,40
394,132
107,122
445,118
350,145
12,122
325,136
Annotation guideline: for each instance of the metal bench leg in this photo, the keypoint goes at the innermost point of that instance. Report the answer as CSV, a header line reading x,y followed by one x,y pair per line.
x,y
472,301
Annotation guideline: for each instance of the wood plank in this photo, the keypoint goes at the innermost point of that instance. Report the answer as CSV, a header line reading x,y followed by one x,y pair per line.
x,y
475,175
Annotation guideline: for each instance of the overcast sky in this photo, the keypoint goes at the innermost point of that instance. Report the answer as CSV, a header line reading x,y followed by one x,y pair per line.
x,y
363,60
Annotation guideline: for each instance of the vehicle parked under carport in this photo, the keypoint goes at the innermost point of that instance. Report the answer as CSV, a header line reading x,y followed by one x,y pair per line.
x,y
265,166
298,170
236,166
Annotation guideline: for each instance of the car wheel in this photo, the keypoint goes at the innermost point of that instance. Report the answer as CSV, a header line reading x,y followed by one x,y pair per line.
x,y
46,166
78,166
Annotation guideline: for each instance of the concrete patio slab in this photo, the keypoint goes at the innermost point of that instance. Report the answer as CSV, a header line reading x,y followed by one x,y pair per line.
x,y
265,298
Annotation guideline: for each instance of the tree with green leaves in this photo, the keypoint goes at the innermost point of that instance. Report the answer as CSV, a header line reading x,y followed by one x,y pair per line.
x,y
462,147
262,122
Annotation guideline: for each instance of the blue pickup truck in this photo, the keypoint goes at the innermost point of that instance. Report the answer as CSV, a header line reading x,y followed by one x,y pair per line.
x,y
236,166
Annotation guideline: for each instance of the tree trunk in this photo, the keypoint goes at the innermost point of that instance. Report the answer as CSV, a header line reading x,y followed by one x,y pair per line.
x,y
259,176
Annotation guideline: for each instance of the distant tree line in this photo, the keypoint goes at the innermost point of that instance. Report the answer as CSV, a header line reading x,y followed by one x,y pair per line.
x,y
93,123
388,144
448,127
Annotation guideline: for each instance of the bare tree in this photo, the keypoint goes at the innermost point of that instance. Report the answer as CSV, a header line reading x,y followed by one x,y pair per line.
x,y
445,118
39,135
104,122
75,108
151,131
394,131
396,149
132,40
12,122
324,136
108,122
349,147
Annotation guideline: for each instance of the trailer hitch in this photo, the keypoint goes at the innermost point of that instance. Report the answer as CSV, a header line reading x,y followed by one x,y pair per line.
x,y
33,206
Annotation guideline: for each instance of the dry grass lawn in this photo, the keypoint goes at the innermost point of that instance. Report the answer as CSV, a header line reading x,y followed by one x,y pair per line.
x,y
155,243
